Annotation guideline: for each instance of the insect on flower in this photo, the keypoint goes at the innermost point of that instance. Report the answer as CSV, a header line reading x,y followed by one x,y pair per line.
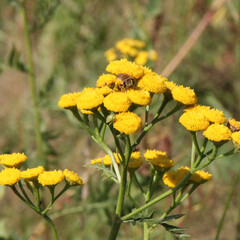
x,y
124,82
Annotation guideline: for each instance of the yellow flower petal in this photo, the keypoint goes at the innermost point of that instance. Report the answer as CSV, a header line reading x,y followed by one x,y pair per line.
x,y
68,100
72,178
106,80
236,139
139,97
184,95
9,176
50,178
32,173
13,160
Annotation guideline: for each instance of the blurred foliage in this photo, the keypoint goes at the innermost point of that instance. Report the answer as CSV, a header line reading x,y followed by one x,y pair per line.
x,y
69,39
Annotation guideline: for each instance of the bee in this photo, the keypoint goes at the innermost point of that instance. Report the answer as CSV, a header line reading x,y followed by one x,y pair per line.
x,y
124,82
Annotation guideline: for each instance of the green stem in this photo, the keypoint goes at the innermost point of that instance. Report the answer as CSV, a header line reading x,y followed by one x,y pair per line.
x,y
194,138
51,224
193,154
52,199
32,81
220,224
24,192
137,182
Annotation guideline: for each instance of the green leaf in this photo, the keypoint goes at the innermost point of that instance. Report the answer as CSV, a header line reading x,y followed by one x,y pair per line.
x,y
11,56
154,8
172,228
172,217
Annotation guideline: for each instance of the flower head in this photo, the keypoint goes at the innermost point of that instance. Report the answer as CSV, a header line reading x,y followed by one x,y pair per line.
x,y
173,178
153,55
89,98
68,100
13,160
194,121
72,178
110,54
127,122
117,102
236,139
217,133
152,82
200,177
158,158
135,160
184,95
10,176
214,115
50,178
106,80
234,125
124,66
139,97
32,173
141,58
104,90
106,160
170,85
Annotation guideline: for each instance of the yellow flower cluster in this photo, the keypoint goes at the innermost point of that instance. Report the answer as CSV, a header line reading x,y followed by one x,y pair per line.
x,y
13,160
132,48
173,178
10,176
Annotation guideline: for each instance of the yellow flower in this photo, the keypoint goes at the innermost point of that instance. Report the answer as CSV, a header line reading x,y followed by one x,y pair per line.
x,y
158,158
215,116
139,97
127,122
72,178
217,133
236,139
152,82
89,98
200,177
234,125
184,95
106,160
197,108
117,102
170,85
153,55
13,160
110,54
141,58
50,178
194,121
124,66
104,90
173,178
135,160
106,80
10,176
32,173
68,100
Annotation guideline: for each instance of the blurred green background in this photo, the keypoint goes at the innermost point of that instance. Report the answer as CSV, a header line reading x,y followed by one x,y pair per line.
x,y
69,40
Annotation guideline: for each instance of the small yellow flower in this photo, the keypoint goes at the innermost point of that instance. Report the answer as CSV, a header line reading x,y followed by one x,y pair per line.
x,y
124,66
152,82
135,160
215,116
127,122
139,97
104,90
89,98
234,125
196,108
173,178
117,102
50,178
32,173
217,133
141,58
170,85
72,178
110,54
106,160
68,100
13,160
200,177
106,80
184,95
9,176
158,158
236,139
194,121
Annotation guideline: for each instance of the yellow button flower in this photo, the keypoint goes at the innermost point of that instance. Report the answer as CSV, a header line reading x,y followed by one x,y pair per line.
x,y
32,173
110,54
236,139
50,178
89,98
217,133
72,178
141,58
68,100
106,160
127,122
104,90
135,160
215,116
200,177
158,158
234,125
153,82
194,121
153,55
184,95
124,66
139,97
9,176
170,85
106,80
173,178
13,160
117,102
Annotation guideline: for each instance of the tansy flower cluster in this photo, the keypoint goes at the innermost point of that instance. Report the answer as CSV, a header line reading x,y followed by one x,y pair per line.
x,y
133,50
11,175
